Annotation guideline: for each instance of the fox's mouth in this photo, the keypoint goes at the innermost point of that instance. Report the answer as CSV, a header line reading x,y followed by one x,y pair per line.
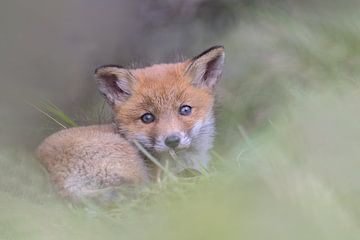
x,y
164,149
157,145
179,150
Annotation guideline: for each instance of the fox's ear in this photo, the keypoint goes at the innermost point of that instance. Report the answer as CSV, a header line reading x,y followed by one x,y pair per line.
x,y
114,82
205,69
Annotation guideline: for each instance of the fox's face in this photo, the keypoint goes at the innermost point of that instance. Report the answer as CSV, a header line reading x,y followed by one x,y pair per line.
x,y
165,106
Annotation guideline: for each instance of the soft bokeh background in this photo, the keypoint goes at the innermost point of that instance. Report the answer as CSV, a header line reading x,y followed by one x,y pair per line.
x,y
286,159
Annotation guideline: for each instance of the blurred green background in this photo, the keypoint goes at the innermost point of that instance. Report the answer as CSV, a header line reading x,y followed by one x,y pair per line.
x,y
287,152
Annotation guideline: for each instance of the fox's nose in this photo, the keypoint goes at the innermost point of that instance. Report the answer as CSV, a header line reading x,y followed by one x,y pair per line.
x,y
172,141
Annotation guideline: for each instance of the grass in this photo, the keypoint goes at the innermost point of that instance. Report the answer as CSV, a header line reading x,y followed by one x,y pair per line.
x,y
285,163
54,113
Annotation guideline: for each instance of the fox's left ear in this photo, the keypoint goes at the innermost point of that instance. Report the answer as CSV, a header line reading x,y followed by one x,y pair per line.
x,y
114,82
205,69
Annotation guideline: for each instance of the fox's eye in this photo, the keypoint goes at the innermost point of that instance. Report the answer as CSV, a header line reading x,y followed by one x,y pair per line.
x,y
147,118
185,110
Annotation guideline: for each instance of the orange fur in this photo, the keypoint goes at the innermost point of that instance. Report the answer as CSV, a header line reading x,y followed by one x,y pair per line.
x,y
85,159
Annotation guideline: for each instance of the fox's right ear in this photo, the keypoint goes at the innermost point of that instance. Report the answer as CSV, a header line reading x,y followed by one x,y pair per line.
x,y
114,82
205,70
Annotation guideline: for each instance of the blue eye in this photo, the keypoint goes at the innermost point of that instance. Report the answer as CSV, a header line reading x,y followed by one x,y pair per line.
x,y
185,110
147,118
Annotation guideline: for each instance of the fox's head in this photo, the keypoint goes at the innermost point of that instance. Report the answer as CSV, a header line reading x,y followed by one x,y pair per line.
x,y
164,106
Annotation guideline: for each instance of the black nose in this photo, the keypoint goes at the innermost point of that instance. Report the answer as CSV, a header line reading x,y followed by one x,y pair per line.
x,y
172,141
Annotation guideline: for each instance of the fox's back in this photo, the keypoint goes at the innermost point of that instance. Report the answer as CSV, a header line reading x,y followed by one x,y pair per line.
x,y
84,159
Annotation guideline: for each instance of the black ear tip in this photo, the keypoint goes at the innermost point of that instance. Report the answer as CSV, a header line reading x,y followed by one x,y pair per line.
x,y
216,47
107,66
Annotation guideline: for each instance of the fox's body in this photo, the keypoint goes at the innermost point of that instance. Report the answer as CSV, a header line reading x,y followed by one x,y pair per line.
x,y
165,107
84,159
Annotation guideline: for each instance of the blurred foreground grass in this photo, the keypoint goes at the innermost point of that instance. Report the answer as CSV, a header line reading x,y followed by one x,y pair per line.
x,y
287,157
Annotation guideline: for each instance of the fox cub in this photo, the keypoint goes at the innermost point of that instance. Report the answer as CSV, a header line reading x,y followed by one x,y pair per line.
x,y
164,107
